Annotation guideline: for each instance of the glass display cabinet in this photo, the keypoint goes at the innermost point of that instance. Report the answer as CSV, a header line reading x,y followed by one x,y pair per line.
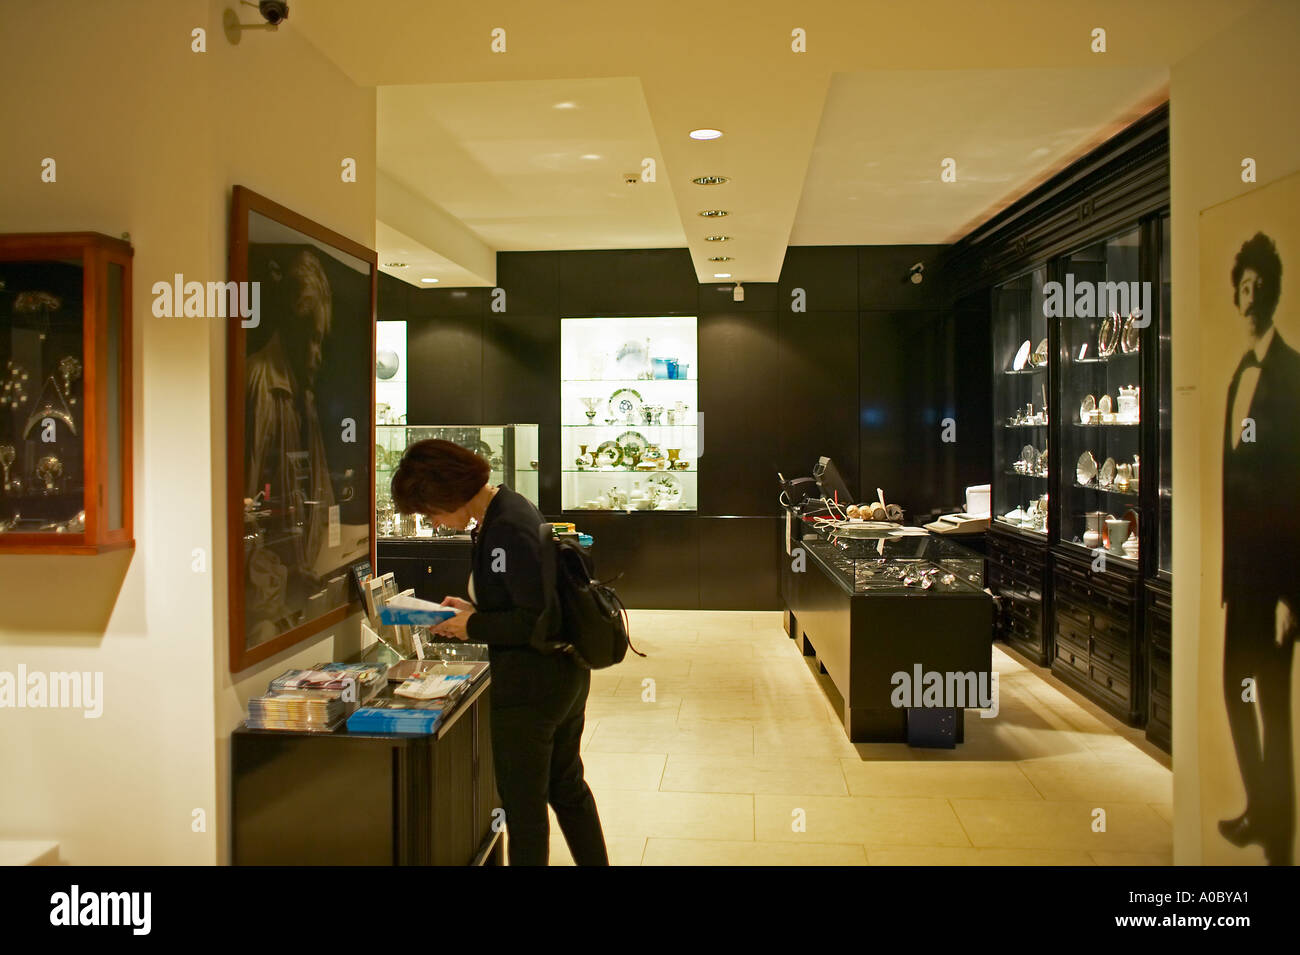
x,y
629,414
1103,324
1020,404
885,564
1164,436
65,400
511,451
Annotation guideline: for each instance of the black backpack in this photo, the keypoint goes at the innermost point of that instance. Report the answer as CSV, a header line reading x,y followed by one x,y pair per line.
x,y
586,614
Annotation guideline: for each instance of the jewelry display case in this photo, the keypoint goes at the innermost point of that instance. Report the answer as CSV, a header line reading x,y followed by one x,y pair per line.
x,y
65,401
888,564
510,449
629,414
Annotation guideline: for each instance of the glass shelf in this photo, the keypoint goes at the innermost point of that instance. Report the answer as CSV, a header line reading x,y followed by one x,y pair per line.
x,y
629,381
1041,369
1113,424
604,357
1106,490
1018,393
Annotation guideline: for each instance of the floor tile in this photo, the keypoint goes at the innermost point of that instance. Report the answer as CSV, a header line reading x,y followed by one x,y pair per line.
x,y
711,852
858,819
1017,824
754,774
987,780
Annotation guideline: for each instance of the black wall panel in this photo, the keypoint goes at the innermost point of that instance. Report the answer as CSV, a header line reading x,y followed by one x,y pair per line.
x,y
531,281
739,567
444,356
817,391
740,358
827,274
883,277
521,373
631,282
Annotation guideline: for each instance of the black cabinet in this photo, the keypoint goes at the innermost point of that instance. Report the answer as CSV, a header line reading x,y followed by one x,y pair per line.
x,y
367,799
1159,634
1097,629
434,568
1017,575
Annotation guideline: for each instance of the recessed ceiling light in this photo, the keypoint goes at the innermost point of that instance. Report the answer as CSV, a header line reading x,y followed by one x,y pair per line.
x,y
566,105
703,134
719,258
428,281
717,238
709,180
713,213
589,156
722,275
394,265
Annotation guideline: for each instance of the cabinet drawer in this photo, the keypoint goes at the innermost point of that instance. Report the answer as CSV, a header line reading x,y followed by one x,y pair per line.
x,y
1076,641
1073,659
1076,613
1117,658
1160,713
1114,684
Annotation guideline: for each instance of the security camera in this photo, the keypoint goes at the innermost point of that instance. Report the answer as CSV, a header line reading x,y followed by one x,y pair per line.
x,y
273,12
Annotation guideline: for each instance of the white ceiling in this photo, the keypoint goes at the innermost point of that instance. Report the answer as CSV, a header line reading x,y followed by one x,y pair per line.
x,y
839,145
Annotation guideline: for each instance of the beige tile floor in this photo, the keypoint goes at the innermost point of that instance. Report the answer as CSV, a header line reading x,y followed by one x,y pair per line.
x,y
721,748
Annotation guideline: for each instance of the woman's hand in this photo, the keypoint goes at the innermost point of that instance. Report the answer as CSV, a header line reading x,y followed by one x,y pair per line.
x,y
455,603
454,627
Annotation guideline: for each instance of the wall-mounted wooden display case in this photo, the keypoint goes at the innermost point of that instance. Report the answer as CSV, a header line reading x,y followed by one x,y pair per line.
x,y
65,398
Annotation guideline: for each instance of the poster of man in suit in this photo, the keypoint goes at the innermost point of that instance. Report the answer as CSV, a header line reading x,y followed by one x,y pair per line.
x,y
1248,314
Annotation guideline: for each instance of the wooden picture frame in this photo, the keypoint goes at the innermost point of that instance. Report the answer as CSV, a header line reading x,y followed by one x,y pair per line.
x,y
300,406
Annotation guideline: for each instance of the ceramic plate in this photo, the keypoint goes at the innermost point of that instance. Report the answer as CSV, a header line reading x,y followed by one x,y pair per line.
x,y
1087,468
1040,354
632,444
1021,356
1131,516
609,455
1106,476
1086,409
1042,462
624,402
1104,405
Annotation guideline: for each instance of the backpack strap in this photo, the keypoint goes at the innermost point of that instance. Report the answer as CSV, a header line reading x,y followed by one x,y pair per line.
x,y
545,622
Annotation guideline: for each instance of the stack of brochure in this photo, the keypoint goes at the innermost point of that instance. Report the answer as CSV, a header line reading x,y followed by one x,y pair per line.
x,y
397,715
315,700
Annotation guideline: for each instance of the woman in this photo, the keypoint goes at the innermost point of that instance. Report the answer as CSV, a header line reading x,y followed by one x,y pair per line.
x,y
538,699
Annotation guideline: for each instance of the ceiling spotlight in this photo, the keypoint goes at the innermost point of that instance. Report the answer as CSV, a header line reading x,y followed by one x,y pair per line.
x,y
394,265
705,134
565,105
713,213
719,258
722,275
709,180
589,156
717,238
428,281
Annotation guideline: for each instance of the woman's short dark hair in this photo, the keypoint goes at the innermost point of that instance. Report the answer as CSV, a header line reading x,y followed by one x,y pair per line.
x,y
437,477
1259,253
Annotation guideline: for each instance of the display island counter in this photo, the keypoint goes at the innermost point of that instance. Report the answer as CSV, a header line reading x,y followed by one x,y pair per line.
x,y
898,619
348,798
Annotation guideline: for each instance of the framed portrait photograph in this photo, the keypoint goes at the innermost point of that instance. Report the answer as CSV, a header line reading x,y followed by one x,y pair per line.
x,y
300,425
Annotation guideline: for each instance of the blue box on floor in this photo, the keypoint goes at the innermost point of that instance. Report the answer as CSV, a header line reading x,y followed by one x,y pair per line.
x,y
932,727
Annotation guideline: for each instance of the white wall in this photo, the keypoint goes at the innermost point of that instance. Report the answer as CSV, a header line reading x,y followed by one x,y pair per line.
x,y
149,138
1237,96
